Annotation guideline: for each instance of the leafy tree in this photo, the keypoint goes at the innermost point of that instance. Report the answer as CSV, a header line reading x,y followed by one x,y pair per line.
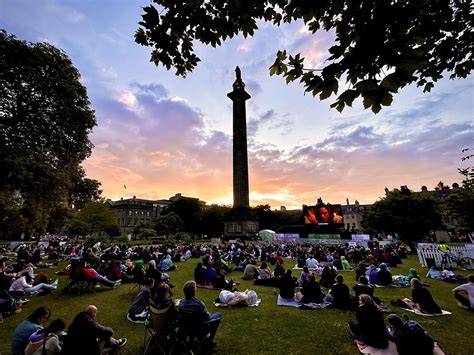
x,y
189,211
83,189
403,212
212,220
381,46
95,218
145,233
45,121
169,224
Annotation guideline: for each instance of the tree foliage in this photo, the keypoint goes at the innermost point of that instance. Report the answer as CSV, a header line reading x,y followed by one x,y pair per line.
x,y
95,218
381,46
169,224
45,120
411,215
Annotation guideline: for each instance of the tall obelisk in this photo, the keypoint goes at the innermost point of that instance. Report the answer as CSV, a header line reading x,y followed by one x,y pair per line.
x,y
240,160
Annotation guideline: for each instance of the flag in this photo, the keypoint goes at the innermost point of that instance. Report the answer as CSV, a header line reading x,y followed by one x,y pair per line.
x,y
125,186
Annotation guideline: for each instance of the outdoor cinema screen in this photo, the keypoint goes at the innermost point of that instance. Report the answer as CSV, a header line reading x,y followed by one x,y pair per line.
x,y
323,214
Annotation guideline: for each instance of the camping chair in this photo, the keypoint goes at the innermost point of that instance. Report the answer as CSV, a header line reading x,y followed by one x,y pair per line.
x,y
159,325
195,336
76,282
138,279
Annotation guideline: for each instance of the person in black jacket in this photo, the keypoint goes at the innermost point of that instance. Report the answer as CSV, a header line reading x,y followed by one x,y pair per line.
x,y
341,295
385,277
422,298
83,333
311,291
369,327
287,286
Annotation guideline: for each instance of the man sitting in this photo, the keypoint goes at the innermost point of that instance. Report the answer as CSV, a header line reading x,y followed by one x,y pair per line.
x,y
192,313
84,331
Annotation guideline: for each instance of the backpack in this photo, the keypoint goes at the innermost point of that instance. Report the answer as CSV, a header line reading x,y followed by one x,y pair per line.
x,y
8,306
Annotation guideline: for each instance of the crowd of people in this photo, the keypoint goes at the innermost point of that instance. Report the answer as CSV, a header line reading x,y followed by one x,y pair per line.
x,y
322,271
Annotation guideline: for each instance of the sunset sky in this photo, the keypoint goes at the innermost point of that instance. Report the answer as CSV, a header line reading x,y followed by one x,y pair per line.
x,y
160,134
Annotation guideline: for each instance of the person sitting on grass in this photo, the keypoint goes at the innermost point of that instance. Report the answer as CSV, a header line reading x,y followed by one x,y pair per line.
x,y
409,336
422,298
413,275
467,288
85,333
384,275
200,274
46,341
363,287
328,277
264,272
304,276
23,331
138,310
23,285
287,286
166,264
250,271
369,327
345,264
341,297
311,292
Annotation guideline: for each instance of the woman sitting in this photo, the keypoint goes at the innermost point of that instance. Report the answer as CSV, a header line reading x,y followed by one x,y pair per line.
x,y
413,275
264,272
422,298
373,275
287,286
46,341
345,264
23,285
369,327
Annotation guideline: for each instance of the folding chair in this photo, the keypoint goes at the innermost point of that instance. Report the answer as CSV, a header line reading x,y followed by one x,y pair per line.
x,y
195,336
160,326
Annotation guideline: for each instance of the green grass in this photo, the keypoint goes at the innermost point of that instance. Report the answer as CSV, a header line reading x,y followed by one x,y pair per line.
x,y
266,329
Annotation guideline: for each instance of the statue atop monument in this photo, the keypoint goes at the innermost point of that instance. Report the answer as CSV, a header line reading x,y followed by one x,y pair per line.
x,y
238,83
238,74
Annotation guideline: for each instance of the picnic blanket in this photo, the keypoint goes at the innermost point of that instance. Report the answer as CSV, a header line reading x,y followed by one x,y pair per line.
x,y
367,349
135,321
292,303
418,312
209,287
392,349
224,305
392,285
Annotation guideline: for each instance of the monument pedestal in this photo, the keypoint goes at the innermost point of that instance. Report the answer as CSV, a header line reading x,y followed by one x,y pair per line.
x,y
240,223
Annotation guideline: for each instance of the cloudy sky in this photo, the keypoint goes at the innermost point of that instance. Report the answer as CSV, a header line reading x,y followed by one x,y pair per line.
x,y
160,134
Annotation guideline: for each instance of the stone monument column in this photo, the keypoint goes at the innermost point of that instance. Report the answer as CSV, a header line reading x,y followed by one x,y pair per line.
x,y
240,160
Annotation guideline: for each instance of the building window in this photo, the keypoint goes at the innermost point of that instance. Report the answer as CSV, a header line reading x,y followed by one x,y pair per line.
x,y
129,221
148,213
136,213
129,212
135,221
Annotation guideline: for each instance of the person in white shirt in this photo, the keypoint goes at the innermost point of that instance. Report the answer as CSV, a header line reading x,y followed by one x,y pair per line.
x,y
311,263
467,303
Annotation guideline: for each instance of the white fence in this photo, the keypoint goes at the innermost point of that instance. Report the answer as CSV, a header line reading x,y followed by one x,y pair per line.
x,y
453,254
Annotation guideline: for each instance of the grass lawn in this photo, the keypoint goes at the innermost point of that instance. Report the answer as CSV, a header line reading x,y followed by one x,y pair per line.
x,y
267,329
